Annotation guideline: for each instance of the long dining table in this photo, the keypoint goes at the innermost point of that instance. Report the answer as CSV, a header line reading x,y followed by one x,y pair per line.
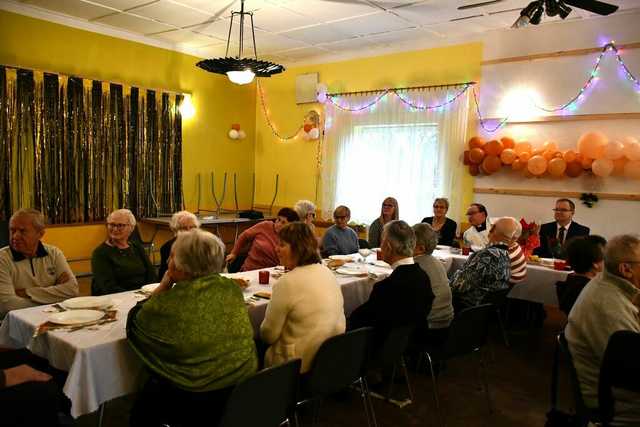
x,y
102,366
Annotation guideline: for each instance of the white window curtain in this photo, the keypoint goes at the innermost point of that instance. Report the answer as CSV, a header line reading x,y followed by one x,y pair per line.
x,y
392,149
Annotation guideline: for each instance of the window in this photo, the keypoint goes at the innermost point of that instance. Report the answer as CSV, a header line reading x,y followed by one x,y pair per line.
x,y
397,160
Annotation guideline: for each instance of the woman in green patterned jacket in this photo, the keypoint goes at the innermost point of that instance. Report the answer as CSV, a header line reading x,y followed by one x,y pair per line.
x,y
194,336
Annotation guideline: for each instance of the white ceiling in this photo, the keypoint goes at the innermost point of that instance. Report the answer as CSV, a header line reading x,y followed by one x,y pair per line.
x,y
291,31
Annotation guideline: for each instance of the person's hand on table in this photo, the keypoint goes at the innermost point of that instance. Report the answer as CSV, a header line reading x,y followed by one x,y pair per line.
x,y
230,258
23,374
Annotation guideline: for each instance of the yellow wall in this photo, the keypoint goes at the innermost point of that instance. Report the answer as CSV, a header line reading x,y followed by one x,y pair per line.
x,y
295,160
36,44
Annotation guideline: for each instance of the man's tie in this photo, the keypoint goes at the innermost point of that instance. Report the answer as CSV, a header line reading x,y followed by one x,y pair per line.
x,y
561,235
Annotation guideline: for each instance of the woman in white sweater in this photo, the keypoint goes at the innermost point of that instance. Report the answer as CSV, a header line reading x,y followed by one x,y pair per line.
x,y
306,305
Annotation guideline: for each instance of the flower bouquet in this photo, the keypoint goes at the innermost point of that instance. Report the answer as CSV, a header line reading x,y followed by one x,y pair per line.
x,y
530,237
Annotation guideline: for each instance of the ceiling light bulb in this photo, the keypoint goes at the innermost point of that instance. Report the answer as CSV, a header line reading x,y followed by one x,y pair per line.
x,y
526,14
522,21
241,77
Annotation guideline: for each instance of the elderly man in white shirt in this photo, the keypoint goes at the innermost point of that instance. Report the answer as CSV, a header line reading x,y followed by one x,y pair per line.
x,y
31,272
477,236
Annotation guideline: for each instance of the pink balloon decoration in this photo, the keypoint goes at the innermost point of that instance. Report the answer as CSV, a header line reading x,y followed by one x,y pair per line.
x,y
591,144
614,150
602,167
631,149
537,165
632,169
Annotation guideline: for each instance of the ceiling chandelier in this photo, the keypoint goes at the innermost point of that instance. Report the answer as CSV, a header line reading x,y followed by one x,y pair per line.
x,y
238,69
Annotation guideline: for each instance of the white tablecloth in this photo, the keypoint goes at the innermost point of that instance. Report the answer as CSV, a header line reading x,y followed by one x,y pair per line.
x,y
101,364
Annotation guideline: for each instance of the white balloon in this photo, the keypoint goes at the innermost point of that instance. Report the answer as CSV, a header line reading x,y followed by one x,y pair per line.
x,y
233,134
321,93
242,134
314,133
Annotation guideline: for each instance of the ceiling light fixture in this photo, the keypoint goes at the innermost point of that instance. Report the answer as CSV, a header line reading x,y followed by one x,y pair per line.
x,y
526,14
532,14
241,70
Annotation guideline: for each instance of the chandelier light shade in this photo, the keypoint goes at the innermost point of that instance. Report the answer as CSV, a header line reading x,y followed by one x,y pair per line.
x,y
241,70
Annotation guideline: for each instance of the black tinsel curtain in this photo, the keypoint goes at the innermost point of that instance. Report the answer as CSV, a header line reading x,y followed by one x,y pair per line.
x,y
78,149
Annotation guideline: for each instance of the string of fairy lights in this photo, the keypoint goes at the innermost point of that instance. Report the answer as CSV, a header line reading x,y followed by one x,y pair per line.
x,y
334,100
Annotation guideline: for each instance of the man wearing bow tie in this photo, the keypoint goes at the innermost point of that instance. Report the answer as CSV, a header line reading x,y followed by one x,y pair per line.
x,y
553,235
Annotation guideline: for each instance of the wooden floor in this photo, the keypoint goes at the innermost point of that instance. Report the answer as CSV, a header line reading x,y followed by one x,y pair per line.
x,y
519,379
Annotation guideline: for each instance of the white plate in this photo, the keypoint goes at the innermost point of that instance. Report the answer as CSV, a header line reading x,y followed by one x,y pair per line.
x,y
76,317
150,287
342,257
86,303
381,263
351,271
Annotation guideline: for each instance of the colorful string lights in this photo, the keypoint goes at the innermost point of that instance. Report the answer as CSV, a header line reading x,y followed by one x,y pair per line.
x,y
571,105
268,118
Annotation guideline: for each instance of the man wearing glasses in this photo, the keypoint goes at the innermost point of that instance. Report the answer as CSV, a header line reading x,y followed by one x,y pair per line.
x,y
31,272
608,303
477,236
553,235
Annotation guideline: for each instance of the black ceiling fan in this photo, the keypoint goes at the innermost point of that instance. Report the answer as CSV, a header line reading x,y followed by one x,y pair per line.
x,y
532,14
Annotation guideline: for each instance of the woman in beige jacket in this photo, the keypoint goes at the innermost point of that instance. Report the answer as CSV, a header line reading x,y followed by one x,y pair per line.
x,y
306,306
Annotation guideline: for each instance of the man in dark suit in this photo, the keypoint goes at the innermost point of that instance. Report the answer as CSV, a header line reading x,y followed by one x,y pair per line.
x,y
403,298
553,235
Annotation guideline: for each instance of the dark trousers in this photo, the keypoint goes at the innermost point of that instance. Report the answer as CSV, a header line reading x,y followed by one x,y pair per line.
x,y
160,402
33,403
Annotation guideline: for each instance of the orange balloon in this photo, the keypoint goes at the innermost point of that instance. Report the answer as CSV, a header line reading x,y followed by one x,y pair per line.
x,y
537,165
508,142
631,149
579,157
556,167
550,146
586,163
602,167
235,126
569,156
614,150
493,148
522,147
307,128
549,155
508,156
476,155
537,152
474,170
524,156
476,142
518,165
574,169
491,164
465,158
632,169
591,143
618,166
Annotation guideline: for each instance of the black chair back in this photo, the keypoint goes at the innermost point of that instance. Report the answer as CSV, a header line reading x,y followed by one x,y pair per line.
x,y
363,244
339,362
497,298
619,369
266,399
583,414
4,234
393,346
468,331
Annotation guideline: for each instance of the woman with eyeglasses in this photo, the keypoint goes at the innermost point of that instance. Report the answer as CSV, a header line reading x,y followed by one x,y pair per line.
x,y
120,264
445,227
388,212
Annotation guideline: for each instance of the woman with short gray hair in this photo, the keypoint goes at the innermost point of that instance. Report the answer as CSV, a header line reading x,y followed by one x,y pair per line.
x,y
441,314
193,335
180,221
120,264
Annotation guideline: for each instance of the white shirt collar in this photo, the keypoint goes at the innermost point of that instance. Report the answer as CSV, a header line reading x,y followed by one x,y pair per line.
x,y
403,261
566,227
